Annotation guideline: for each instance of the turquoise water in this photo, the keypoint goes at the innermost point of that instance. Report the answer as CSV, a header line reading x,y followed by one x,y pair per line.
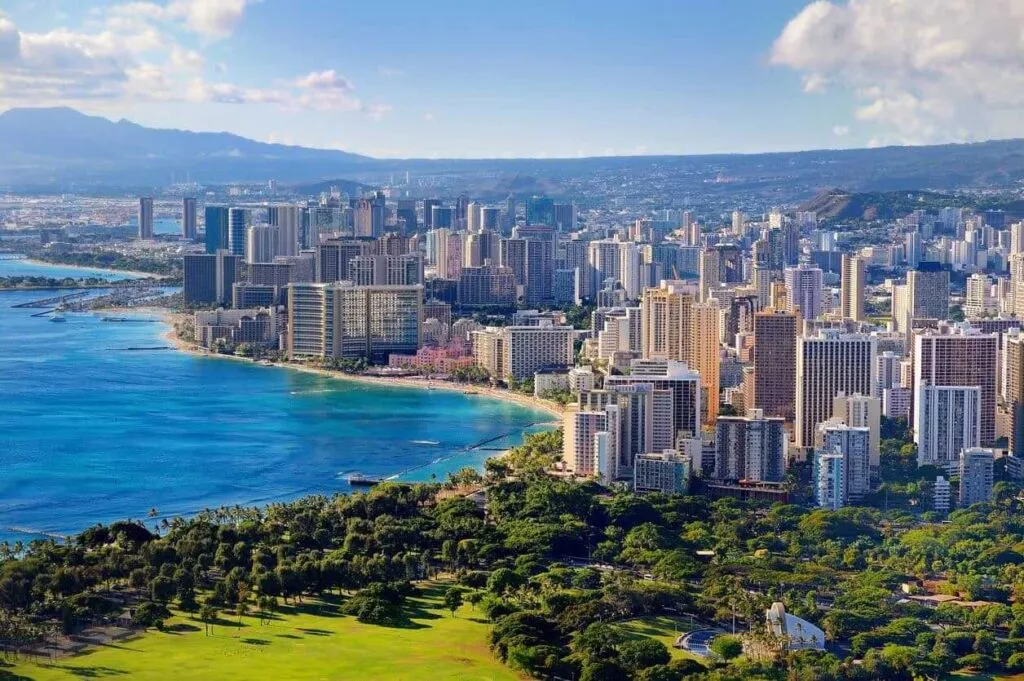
x,y
91,431
24,268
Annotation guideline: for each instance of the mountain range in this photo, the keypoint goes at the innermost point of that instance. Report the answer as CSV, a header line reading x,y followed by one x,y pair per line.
x,y
61,148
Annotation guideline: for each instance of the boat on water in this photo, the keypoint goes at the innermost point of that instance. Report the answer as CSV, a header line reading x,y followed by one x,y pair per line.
x,y
360,480
58,317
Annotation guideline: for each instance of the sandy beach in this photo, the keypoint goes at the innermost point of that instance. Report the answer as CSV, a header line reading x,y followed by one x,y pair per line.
x,y
554,409
134,273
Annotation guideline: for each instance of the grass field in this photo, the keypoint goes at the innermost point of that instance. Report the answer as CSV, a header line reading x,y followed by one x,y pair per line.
x,y
661,628
304,643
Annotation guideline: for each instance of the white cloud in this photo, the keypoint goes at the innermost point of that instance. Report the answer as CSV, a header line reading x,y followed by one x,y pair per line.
x,y
212,19
840,130
922,70
324,80
129,58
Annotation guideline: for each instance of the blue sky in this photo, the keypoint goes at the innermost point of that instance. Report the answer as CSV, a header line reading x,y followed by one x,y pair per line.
x,y
462,78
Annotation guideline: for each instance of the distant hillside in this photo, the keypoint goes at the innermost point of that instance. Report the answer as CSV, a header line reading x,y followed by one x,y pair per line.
x,y
60,148
839,205
61,145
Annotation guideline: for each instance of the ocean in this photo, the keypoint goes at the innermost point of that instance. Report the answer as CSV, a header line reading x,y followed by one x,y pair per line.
x,y
92,430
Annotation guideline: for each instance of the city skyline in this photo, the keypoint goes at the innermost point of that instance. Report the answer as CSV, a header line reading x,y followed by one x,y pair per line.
x,y
530,80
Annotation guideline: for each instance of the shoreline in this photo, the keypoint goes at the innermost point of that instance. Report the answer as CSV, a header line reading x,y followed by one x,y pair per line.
x,y
134,273
552,409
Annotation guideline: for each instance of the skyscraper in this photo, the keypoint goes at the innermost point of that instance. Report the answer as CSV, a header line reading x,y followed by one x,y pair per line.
x,y
775,335
852,292
540,210
189,230
667,324
261,243
1013,389
676,398
288,221
928,291
946,420
146,217
751,448
854,445
828,364
208,278
216,219
960,355
803,290
343,320
707,354
238,223
829,480
976,476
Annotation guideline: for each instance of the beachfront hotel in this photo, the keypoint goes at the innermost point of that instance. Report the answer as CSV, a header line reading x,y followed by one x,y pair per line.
x,y
345,321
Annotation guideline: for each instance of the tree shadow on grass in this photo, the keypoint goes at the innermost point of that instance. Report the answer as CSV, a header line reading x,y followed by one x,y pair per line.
x,y
181,627
292,636
255,641
97,672
6,675
315,632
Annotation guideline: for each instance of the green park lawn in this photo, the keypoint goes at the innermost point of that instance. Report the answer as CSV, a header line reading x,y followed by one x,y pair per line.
x,y
660,628
310,641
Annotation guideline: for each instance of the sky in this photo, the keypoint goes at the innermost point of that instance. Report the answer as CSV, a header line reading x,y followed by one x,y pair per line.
x,y
530,78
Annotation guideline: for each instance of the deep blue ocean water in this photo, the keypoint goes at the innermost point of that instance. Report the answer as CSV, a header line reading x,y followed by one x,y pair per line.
x,y
92,432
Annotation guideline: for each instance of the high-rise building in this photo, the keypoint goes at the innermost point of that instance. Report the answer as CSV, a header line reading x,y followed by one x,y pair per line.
x,y
368,216
829,480
238,223
216,220
751,448
706,356
710,271
676,398
539,271
450,254
565,217
288,221
634,419
775,334
668,472
928,290
979,301
406,216
333,256
487,286
828,364
586,438
189,227
1013,388
941,495
862,411
976,476
946,420
343,320
520,351
540,210
853,282
428,213
261,244
386,270
145,217
208,277
666,322
960,355
803,290
887,372
853,444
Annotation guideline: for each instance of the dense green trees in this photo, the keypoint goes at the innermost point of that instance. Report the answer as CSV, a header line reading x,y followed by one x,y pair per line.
x,y
556,565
